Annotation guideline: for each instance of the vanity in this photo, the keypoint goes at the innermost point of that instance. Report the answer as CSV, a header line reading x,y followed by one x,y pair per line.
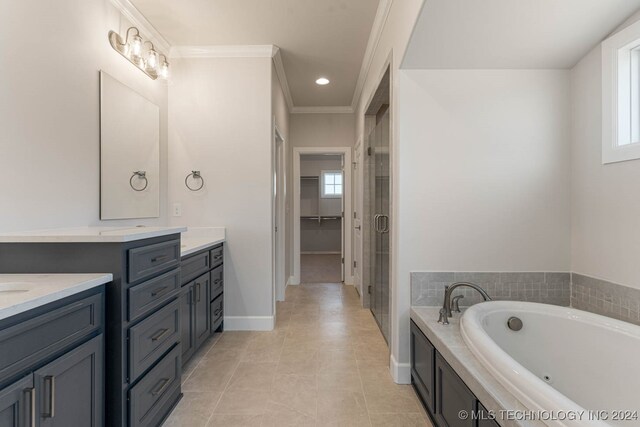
x,y
52,349
202,290
142,308
164,301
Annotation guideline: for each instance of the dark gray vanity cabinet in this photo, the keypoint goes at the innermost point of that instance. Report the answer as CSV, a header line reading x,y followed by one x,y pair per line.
x,y
52,364
143,317
440,389
452,397
423,367
16,402
201,298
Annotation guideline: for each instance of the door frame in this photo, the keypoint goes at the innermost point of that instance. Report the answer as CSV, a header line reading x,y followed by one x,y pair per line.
x,y
347,216
358,200
278,206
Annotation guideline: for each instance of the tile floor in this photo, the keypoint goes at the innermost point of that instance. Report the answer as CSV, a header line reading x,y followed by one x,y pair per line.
x,y
325,364
320,268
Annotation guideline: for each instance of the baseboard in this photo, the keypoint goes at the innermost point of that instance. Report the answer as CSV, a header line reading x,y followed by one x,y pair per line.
x,y
248,323
320,253
293,281
400,372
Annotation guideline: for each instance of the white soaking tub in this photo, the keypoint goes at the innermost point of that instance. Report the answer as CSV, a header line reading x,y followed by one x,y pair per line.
x,y
564,365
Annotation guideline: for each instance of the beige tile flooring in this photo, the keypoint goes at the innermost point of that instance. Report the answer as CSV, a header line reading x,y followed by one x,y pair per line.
x,y
325,364
320,268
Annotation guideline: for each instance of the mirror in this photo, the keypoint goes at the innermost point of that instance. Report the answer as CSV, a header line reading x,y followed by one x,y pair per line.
x,y
129,152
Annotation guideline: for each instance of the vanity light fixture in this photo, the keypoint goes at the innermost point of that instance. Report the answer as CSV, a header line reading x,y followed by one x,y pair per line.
x,y
149,61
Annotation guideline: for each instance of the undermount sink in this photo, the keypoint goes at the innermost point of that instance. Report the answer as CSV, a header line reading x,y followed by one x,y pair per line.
x,y
16,287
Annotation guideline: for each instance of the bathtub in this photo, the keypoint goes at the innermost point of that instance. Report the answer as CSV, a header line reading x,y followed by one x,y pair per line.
x,y
567,367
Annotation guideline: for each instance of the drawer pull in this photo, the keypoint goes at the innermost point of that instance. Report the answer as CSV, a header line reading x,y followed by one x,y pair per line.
x,y
217,257
217,311
30,393
159,388
217,281
52,396
158,335
159,258
159,291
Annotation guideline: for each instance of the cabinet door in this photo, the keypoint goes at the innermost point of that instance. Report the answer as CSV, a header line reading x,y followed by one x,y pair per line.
x,y
483,417
201,318
452,396
69,390
422,366
16,403
187,336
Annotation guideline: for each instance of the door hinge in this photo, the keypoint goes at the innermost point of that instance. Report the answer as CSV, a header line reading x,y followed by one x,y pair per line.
x,y
369,289
343,260
355,264
368,151
355,165
355,215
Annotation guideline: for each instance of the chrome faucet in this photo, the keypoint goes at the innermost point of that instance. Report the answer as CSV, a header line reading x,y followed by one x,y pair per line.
x,y
445,311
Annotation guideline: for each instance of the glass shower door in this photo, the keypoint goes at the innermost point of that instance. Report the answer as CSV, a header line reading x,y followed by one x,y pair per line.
x,y
380,209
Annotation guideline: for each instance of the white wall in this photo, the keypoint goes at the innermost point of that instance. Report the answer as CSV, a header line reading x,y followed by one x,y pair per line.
x,y
483,170
605,237
49,111
391,47
221,124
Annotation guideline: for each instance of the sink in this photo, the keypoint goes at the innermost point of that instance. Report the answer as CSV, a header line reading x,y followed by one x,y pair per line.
x,y
16,287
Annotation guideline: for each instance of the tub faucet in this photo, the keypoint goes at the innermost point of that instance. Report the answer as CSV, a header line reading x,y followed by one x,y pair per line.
x,y
445,311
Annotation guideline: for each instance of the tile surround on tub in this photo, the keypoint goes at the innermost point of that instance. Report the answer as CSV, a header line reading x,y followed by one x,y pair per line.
x,y
564,289
605,298
427,288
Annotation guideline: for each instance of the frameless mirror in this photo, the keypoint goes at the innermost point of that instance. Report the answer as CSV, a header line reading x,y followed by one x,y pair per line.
x,y
129,152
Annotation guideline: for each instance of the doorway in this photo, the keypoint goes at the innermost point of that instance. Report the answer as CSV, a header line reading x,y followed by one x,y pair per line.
x,y
278,206
322,195
321,218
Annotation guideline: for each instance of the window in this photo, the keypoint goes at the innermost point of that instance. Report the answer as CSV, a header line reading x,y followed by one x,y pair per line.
x,y
621,96
331,184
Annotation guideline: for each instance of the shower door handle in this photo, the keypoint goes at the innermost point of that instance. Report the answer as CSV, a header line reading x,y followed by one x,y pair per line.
x,y
376,223
385,228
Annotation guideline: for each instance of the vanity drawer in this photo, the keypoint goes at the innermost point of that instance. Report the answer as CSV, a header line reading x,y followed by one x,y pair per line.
x,y
217,282
152,337
147,261
153,395
217,312
217,255
26,343
194,266
145,297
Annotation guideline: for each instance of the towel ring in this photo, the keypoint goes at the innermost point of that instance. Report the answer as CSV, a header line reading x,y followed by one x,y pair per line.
x,y
195,175
140,175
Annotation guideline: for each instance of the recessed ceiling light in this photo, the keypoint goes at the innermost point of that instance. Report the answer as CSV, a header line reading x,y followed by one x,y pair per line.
x,y
322,81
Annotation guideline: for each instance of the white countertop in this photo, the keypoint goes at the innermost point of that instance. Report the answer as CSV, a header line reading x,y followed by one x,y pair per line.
x,y
449,342
89,234
197,238
42,289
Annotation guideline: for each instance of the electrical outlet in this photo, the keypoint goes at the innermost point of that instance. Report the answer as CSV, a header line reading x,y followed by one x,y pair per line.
x,y
177,209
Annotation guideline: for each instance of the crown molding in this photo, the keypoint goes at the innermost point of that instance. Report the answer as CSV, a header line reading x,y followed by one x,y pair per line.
x,y
225,51
138,20
345,109
384,7
282,77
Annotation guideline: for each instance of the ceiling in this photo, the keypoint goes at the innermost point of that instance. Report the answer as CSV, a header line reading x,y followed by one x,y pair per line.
x,y
316,38
520,34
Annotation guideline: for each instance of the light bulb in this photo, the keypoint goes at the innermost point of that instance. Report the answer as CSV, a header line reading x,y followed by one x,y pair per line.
x,y
136,46
164,70
152,59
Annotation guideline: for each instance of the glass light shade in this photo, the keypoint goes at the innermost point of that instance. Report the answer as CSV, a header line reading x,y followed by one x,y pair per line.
x,y
135,46
152,59
164,70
